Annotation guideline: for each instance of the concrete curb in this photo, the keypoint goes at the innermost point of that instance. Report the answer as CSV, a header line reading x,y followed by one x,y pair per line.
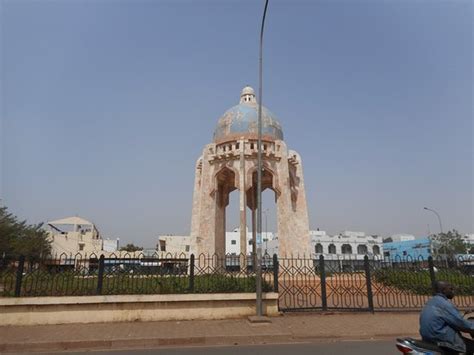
x,y
150,343
135,343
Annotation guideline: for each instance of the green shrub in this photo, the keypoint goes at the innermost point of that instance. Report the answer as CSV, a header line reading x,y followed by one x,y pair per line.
x,y
70,283
419,281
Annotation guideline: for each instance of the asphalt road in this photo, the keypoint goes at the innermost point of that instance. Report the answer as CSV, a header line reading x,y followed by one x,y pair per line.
x,y
334,348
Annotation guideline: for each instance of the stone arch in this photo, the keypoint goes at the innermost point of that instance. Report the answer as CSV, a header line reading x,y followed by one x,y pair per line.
x,y
332,249
252,172
225,181
228,167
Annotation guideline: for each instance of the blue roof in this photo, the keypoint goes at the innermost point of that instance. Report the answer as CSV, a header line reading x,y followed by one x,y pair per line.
x,y
414,249
242,120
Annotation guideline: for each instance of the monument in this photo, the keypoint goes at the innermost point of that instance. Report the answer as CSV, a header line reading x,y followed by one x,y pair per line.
x,y
230,163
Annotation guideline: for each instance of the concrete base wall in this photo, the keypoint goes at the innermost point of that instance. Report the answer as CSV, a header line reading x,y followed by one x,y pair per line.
x,y
127,308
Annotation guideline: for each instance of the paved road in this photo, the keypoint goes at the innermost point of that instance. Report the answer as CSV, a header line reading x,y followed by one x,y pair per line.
x,y
335,348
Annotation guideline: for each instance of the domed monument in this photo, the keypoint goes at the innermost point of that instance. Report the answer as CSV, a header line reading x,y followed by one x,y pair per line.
x,y
230,163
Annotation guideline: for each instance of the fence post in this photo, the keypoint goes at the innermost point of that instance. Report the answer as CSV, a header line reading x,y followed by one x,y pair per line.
x,y
322,271
432,274
191,273
19,275
100,276
276,268
368,278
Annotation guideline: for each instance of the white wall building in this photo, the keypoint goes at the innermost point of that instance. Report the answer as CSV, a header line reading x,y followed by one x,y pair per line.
x,y
402,237
346,245
174,244
469,238
232,241
75,235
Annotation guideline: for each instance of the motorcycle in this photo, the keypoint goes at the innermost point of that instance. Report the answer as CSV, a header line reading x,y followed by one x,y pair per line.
x,y
412,346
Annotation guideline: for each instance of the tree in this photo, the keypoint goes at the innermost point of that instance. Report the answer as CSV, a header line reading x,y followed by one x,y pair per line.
x,y
131,248
19,238
450,243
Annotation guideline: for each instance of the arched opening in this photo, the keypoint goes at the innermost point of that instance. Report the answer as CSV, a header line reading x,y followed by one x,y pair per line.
x,y
362,249
318,248
346,249
269,195
376,250
225,184
332,249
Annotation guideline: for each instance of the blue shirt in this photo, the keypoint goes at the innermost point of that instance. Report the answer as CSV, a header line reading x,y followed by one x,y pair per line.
x,y
440,322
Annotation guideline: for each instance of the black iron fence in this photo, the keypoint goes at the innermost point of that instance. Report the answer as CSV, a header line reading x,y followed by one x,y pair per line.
x,y
135,273
327,283
341,283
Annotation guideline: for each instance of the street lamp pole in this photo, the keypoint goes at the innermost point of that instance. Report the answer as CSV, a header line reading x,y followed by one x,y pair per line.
x,y
440,225
259,173
437,215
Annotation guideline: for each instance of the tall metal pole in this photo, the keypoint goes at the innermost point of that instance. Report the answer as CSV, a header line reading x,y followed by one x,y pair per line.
x,y
259,171
440,226
437,215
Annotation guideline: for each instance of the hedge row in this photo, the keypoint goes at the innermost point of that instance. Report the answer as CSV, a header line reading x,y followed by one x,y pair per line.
x,y
419,281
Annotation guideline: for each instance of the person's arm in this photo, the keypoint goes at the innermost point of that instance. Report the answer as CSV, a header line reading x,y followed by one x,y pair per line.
x,y
452,316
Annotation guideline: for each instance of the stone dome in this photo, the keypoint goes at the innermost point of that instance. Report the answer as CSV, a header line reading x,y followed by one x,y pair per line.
x,y
242,121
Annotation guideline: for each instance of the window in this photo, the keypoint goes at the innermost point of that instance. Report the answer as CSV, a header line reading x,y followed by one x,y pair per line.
x,y
332,249
81,246
362,249
386,253
237,145
346,249
251,145
162,245
186,248
376,250
250,242
318,248
405,253
233,242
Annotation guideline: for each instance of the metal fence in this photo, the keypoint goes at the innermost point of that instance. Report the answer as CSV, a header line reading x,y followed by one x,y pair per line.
x,y
80,275
328,283
371,284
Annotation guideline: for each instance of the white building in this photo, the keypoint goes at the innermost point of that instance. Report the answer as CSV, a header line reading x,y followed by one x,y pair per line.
x,y
346,245
469,238
75,235
174,244
345,251
402,237
232,241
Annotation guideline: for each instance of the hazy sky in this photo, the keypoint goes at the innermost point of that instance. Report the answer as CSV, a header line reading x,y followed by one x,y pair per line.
x,y
106,105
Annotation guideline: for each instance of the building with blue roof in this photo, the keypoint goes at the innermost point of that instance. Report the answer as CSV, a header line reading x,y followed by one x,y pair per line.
x,y
417,249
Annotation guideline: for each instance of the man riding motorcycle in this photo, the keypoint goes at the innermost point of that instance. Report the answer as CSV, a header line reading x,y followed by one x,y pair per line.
x,y
441,322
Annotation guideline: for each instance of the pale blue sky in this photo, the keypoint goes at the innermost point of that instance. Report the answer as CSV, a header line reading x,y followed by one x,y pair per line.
x,y
106,105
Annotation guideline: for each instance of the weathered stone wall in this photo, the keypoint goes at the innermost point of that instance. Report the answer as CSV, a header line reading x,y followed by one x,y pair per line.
x,y
233,165
129,308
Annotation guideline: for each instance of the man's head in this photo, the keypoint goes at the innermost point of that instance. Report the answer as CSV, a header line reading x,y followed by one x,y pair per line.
x,y
445,288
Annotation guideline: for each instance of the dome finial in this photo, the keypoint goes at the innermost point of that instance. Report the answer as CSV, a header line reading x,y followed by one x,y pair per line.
x,y
247,96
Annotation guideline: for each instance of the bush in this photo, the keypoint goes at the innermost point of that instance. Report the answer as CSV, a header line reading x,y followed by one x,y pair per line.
x,y
419,281
73,283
